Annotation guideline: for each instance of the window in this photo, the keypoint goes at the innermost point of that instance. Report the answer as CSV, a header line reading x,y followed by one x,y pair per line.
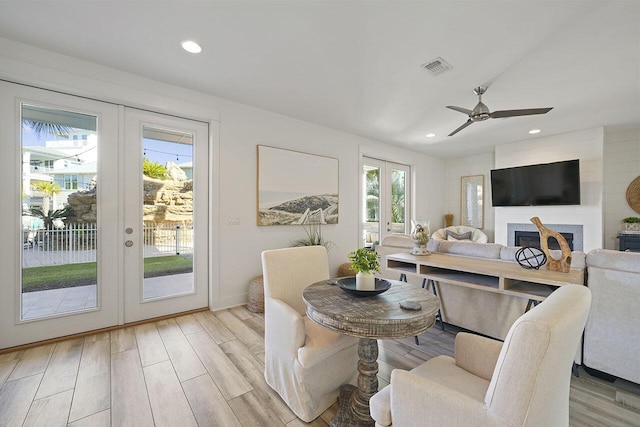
x,y
70,182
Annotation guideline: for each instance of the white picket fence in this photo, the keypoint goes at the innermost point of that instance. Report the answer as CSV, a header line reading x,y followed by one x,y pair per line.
x,y
77,243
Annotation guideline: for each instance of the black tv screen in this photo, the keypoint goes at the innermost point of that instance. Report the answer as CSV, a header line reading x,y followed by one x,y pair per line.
x,y
545,184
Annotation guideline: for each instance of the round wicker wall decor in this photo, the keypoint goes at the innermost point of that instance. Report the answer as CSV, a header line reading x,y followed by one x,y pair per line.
x,y
633,194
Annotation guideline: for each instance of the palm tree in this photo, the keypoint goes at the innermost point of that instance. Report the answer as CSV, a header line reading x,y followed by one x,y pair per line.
x,y
397,197
44,128
153,169
49,189
49,218
372,179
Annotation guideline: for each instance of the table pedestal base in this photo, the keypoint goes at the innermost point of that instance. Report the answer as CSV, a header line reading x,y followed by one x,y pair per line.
x,y
354,401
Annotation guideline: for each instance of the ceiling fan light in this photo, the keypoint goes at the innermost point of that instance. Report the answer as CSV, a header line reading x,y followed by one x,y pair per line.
x,y
430,135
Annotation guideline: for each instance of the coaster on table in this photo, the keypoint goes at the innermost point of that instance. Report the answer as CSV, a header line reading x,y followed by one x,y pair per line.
x,y
411,305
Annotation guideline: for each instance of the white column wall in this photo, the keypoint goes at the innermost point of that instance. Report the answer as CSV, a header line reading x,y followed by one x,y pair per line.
x,y
585,145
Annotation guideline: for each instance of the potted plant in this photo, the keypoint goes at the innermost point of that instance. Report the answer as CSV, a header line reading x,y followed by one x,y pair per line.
x,y
365,263
631,223
420,237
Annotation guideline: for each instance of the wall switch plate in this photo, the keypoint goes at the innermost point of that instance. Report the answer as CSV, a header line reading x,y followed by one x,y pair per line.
x,y
233,220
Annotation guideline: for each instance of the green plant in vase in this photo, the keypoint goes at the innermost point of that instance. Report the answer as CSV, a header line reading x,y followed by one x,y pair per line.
x,y
365,263
420,237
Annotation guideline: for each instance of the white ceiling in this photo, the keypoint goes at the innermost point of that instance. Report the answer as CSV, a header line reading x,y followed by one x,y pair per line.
x,y
356,65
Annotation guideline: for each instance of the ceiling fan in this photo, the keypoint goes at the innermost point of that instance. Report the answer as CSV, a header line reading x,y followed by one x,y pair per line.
x,y
481,112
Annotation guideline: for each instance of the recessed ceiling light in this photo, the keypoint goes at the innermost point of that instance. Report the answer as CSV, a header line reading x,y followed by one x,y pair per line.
x,y
534,131
191,46
431,135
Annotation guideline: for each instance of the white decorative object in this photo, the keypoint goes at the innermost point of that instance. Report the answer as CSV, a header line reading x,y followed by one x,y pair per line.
x,y
631,226
365,281
420,236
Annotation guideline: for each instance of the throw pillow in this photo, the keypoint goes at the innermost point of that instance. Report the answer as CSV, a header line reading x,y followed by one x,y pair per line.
x,y
456,236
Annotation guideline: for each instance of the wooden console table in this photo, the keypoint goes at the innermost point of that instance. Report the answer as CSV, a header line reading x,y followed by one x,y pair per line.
x,y
490,275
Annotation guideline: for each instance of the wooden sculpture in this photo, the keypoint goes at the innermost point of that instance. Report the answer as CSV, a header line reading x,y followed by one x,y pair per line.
x,y
564,263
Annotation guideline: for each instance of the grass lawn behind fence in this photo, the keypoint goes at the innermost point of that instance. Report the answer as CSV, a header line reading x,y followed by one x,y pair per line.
x,y
80,274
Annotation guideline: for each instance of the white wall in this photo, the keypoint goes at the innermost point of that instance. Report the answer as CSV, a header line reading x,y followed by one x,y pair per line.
x,y
621,166
457,168
235,248
586,145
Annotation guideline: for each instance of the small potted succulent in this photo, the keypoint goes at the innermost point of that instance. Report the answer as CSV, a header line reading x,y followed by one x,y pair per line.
x,y
365,263
631,223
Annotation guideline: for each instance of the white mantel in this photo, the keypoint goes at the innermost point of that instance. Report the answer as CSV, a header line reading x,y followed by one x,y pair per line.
x,y
587,146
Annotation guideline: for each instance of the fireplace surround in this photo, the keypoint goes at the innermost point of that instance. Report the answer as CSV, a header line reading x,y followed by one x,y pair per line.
x,y
573,230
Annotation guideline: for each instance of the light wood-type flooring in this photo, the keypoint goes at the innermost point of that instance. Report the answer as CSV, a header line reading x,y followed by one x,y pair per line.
x,y
203,369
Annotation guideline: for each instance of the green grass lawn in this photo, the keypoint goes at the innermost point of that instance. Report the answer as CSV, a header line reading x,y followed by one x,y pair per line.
x,y
69,275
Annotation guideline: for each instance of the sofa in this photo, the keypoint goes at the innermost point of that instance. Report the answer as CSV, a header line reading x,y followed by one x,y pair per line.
x,y
612,334
474,234
487,313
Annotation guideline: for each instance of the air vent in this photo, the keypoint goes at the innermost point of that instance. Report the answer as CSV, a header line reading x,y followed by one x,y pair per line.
x,y
437,66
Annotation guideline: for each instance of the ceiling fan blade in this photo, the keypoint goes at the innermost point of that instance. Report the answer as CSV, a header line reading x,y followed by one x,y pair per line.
x,y
525,112
467,123
460,109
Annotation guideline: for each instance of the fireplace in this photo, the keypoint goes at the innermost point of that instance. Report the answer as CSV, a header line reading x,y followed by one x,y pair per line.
x,y
572,232
532,239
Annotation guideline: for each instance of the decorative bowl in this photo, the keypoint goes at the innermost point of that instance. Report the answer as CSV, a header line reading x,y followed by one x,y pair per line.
x,y
348,284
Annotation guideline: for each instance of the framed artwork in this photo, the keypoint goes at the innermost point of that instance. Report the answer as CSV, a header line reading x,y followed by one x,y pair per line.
x,y
472,201
296,188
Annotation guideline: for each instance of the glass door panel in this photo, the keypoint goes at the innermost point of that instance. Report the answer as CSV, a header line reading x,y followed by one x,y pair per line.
x,y
398,200
167,212
165,215
385,200
371,203
59,211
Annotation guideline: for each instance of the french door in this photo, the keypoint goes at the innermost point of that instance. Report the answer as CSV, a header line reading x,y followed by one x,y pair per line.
x,y
385,193
97,231
165,215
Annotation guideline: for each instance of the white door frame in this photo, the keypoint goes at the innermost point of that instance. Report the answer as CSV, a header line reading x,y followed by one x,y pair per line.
x,y
386,167
111,296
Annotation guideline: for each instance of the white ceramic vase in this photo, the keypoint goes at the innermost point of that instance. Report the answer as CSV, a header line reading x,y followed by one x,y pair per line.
x,y
365,281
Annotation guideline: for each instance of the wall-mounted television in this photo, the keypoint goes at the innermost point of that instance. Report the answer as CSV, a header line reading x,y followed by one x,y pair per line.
x,y
544,184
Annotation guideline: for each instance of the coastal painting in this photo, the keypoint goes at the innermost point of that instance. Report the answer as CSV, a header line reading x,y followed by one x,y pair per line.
x,y
296,188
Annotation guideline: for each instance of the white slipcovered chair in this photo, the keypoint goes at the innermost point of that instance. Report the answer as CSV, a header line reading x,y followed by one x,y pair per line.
x,y
476,235
521,382
304,363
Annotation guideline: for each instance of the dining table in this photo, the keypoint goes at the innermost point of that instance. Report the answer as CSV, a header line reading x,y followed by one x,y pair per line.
x,y
369,316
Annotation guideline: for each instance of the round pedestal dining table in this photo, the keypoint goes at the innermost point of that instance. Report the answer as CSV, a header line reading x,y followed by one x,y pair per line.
x,y
369,318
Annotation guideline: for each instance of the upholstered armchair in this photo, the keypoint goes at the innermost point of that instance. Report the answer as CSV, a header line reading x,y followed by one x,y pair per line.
x,y
460,232
523,382
304,363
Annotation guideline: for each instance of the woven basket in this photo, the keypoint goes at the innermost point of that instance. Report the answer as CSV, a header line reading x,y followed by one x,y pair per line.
x,y
256,295
345,270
